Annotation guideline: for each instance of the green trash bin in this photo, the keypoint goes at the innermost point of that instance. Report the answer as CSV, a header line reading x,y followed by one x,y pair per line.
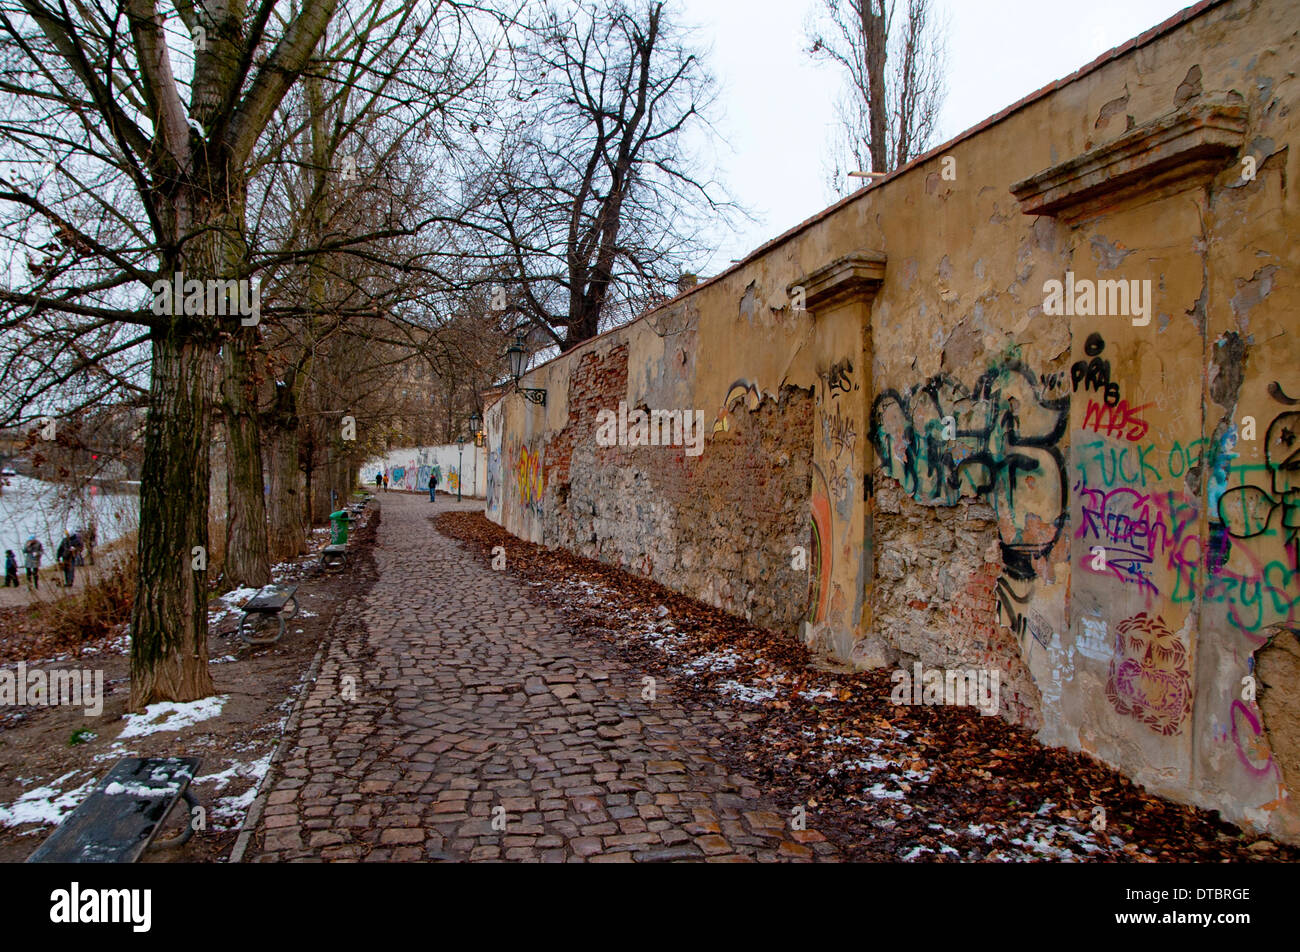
x,y
339,527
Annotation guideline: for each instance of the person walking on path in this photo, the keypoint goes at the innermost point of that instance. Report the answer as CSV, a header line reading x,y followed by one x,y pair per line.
x,y
66,554
385,482
32,553
11,569
433,483
379,479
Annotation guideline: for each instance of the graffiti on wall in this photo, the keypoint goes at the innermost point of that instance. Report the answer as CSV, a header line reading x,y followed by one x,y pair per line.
x,y
998,440
1142,533
740,391
494,481
819,568
526,468
1149,677
1247,511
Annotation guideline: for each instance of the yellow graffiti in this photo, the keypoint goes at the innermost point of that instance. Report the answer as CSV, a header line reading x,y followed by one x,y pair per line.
x,y
528,477
741,390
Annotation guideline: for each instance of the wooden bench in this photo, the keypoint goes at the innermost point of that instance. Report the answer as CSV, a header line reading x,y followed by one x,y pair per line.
x,y
269,602
334,558
121,817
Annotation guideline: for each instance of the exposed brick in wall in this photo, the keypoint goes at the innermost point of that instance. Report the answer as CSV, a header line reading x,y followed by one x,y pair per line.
x,y
719,527
598,383
935,593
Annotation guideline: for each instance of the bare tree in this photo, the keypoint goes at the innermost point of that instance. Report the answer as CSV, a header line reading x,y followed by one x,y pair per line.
x,y
894,80
594,195
345,191
125,162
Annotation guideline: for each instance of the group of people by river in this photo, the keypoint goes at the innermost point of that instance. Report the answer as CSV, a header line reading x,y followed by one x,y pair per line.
x,y
72,551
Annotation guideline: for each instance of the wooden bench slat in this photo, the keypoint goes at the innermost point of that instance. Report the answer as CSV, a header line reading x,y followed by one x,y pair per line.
x,y
118,826
271,598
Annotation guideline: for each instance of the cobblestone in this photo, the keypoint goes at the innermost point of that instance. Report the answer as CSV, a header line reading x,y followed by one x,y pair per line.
x,y
458,721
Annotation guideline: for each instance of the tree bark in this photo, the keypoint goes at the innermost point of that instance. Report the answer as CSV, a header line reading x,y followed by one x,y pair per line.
x,y
247,562
169,620
875,36
285,509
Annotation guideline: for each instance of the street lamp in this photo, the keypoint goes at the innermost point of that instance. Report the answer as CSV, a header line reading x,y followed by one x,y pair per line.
x,y
475,424
517,356
460,470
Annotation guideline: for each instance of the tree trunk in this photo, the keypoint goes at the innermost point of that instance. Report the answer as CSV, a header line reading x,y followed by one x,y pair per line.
x,y
285,508
169,620
247,564
875,37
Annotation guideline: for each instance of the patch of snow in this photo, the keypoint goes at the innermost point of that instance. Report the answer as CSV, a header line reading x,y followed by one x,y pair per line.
x,y
816,695
252,770
746,693
881,792
171,716
45,805
725,660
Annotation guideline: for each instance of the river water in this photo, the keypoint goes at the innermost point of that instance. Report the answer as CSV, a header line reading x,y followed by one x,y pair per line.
x,y
46,510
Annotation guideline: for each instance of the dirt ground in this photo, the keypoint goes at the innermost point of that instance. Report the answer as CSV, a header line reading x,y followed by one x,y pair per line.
x,y
56,754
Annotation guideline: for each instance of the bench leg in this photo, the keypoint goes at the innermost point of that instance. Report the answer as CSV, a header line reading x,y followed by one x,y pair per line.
x,y
264,641
183,837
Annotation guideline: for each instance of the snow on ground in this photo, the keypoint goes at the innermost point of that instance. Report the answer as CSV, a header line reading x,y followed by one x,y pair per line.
x,y
747,693
229,603
171,716
228,812
45,805
886,760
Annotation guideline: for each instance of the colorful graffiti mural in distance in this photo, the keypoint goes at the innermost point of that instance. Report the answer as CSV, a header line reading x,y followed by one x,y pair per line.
x,y
529,482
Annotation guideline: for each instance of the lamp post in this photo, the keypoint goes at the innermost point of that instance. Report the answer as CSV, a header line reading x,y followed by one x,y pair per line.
x,y
517,355
460,471
475,424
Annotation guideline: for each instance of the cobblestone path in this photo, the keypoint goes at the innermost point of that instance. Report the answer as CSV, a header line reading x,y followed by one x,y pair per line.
x,y
473,709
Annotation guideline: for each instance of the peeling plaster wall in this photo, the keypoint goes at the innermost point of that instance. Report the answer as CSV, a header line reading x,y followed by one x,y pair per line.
x,y
953,457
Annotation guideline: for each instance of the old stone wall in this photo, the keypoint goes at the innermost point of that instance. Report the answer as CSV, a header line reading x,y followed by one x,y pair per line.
x,y
1030,403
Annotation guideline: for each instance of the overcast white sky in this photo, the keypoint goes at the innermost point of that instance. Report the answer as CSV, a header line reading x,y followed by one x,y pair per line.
x,y
777,105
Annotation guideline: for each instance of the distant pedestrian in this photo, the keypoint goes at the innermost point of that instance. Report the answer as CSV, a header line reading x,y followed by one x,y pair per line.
x,y
379,479
32,553
385,482
11,569
78,549
433,483
66,555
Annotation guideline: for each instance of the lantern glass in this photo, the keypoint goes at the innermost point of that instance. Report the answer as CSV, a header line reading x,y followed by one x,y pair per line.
x,y
516,354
